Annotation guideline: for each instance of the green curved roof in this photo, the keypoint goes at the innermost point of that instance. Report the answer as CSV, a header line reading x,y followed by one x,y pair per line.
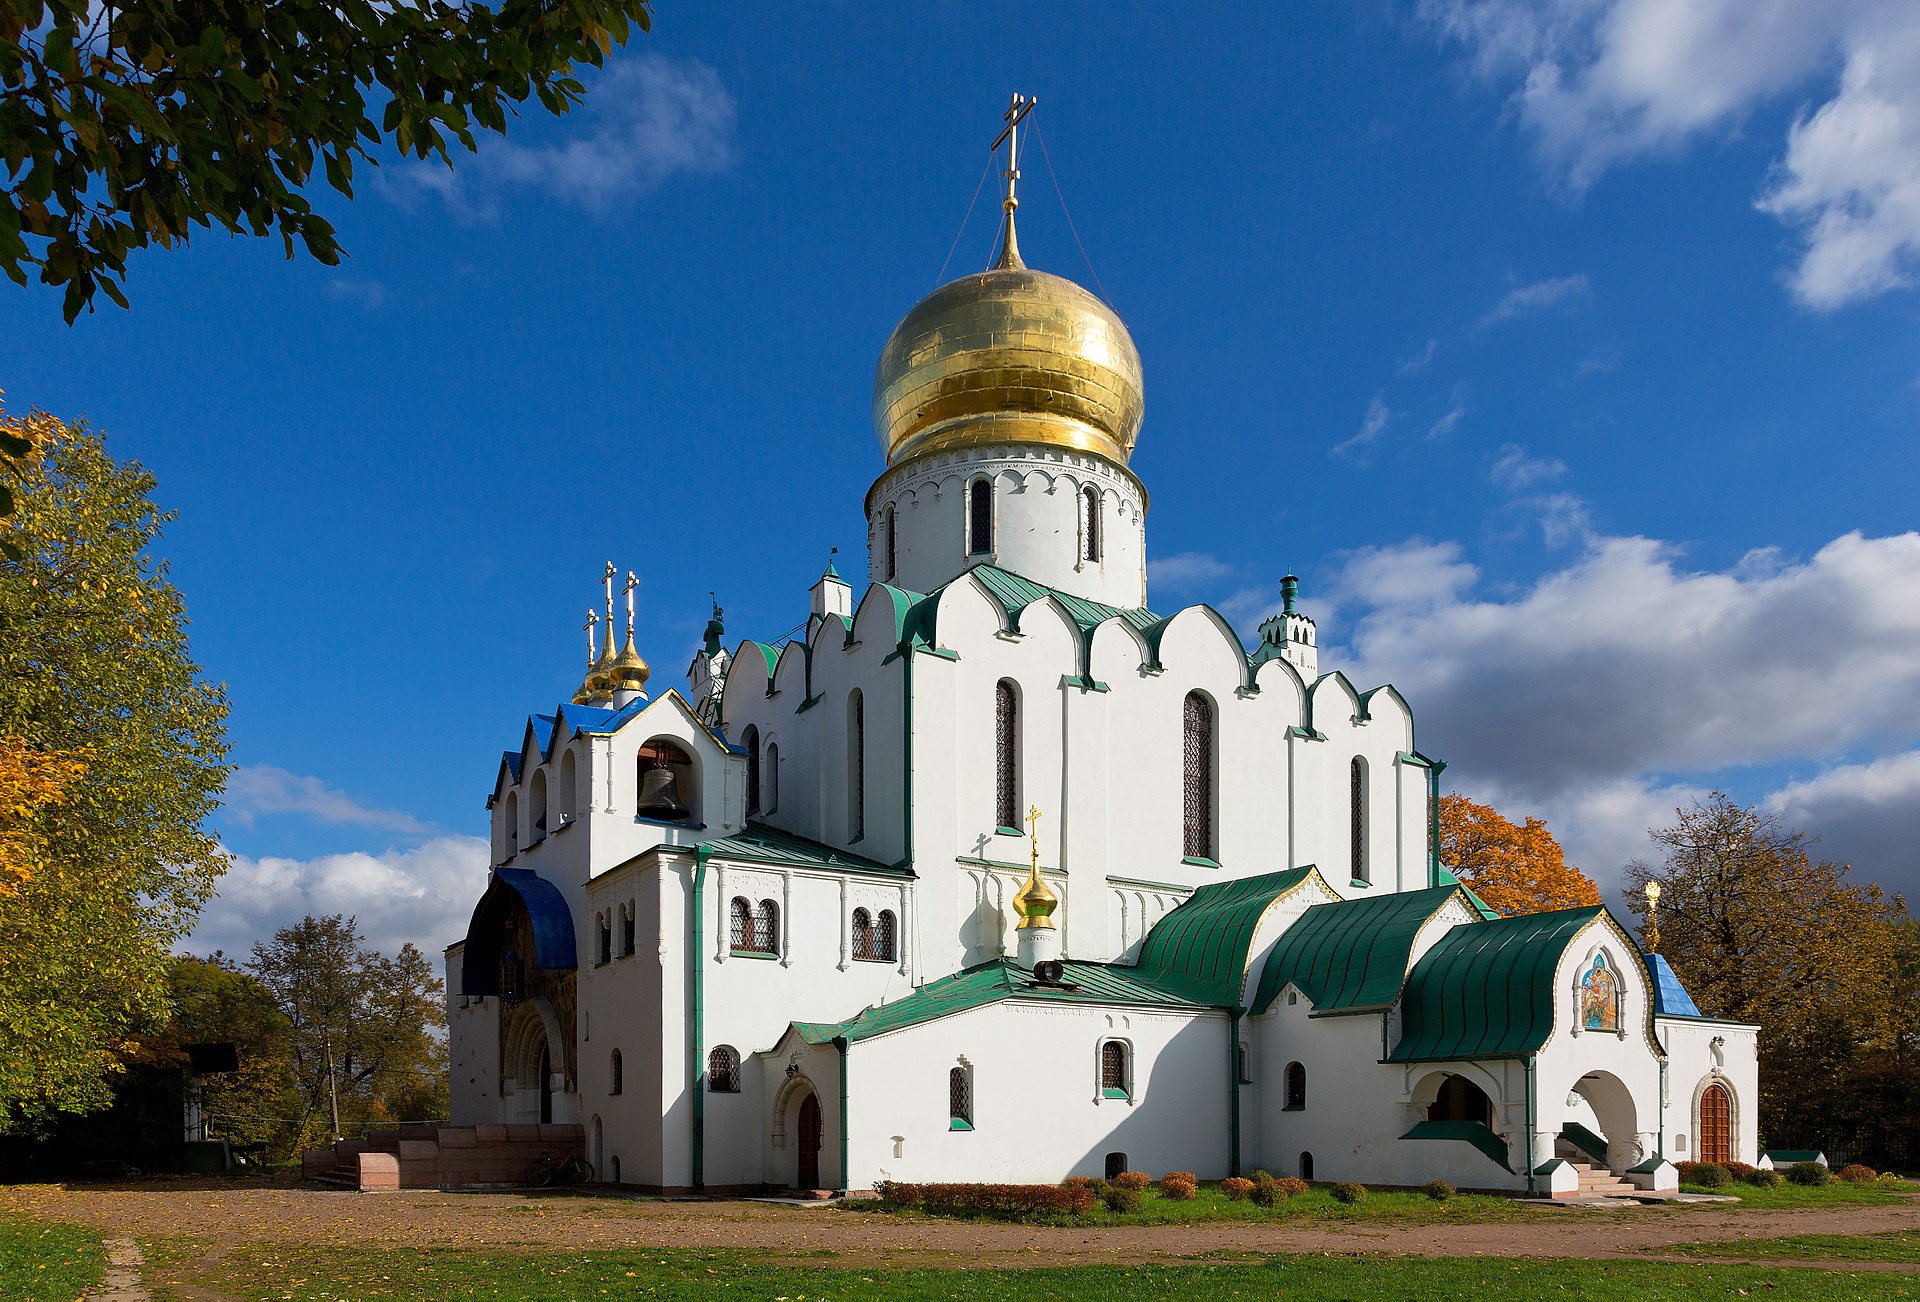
x,y
1351,956
1203,945
1487,991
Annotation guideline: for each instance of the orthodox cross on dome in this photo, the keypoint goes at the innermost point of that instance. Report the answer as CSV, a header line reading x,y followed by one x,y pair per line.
x,y
607,578
1033,833
633,582
593,622
1016,113
1653,917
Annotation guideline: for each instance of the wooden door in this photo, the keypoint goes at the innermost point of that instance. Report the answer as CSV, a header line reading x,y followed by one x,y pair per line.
x,y
1715,1131
809,1176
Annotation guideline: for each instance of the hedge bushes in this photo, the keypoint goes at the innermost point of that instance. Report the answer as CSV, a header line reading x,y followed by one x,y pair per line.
x,y
1438,1190
1761,1177
1236,1188
1075,1199
1349,1193
1811,1174
1705,1175
1854,1173
1132,1180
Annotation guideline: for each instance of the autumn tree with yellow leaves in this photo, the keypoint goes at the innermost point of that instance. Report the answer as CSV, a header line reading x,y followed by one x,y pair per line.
x,y
112,757
1514,868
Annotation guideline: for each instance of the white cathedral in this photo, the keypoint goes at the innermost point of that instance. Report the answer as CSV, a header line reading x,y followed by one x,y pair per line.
x,y
998,874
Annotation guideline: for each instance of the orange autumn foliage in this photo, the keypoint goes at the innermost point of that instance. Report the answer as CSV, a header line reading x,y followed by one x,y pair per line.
x,y
1514,868
30,781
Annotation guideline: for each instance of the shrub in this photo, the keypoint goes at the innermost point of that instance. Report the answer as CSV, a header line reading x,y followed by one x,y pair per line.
x,y
1001,1198
1740,1170
1187,1177
1349,1193
1854,1173
1438,1190
1763,1178
1706,1175
1123,1198
1811,1174
1178,1190
1132,1180
1083,1182
1259,1175
1291,1187
1268,1193
1235,1188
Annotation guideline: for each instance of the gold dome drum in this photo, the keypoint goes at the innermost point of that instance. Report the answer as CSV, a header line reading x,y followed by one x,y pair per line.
x,y
1011,355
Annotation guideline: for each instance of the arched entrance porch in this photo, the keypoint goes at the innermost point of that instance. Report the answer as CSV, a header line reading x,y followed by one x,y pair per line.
x,y
1600,1107
799,1129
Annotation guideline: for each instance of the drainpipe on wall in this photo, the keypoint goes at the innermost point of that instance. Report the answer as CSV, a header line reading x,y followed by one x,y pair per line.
x,y
1530,1062
906,748
1660,1135
696,1030
1233,1075
1433,824
846,1182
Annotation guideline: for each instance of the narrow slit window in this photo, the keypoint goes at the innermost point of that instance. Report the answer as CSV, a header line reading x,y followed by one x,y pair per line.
x,y
856,767
883,936
750,742
1357,803
980,518
1090,524
1197,792
959,1100
1006,759
893,545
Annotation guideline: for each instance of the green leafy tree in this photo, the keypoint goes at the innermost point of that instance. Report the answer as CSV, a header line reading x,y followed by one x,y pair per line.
x,y
1761,931
95,670
214,1002
366,1044
124,125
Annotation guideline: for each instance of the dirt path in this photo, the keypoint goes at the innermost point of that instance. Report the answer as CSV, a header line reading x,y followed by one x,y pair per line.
x,y
243,1213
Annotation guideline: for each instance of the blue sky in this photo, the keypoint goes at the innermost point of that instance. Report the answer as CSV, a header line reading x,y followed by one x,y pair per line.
x,y
1568,350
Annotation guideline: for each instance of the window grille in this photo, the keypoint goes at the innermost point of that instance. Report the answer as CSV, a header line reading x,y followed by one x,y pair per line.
x,y
616,1073
1006,718
1090,525
863,934
741,914
1197,795
883,944
893,545
980,518
1113,1069
723,1071
1357,803
767,933
959,1102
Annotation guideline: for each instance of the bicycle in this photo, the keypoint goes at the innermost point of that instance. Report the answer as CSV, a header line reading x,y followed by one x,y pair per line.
x,y
545,1170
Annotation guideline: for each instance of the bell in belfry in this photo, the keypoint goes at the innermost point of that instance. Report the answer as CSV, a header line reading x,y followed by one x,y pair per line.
x,y
660,795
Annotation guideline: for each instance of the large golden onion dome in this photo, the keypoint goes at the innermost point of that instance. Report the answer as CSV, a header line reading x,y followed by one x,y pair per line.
x,y
1011,355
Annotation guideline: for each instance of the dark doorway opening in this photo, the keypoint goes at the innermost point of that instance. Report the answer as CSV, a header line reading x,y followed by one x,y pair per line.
x,y
1306,1166
1116,1163
809,1173
1460,1099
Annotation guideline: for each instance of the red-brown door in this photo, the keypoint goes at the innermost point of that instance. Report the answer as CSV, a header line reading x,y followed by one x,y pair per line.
x,y
809,1143
1716,1125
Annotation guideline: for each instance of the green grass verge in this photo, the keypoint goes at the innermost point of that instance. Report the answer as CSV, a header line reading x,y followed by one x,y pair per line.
x,y
40,1261
333,1274
1888,1246
1209,1204
1830,1195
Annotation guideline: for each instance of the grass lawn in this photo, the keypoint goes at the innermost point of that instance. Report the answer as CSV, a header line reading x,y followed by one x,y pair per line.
x,y
1209,1204
333,1274
40,1263
1836,1194
1892,1245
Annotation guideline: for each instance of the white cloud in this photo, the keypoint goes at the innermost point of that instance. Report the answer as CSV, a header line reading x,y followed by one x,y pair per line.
x,y
424,895
1419,362
1866,814
1358,448
369,294
1517,472
1598,83
649,118
1448,423
1524,300
254,789
1187,569
1569,695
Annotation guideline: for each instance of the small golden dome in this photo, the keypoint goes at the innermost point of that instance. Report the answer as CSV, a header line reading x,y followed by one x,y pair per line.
x,y
1011,355
1035,902
628,671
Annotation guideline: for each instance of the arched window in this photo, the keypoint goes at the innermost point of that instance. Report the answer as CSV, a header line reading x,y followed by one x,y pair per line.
x,y
569,793
510,818
606,936
626,928
1090,523
1006,755
666,786
740,917
750,742
723,1070
766,931
883,938
1296,1087
1114,1082
863,934
856,766
1357,809
1197,793
616,1074
537,804
1306,1166
893,546
980,519
959,1100
772,777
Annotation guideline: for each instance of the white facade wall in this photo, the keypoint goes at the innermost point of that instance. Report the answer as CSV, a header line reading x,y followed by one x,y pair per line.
x,y
1702,1052
1038,521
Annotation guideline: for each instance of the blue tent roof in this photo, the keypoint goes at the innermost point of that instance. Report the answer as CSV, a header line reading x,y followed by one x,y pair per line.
x,y
1670,998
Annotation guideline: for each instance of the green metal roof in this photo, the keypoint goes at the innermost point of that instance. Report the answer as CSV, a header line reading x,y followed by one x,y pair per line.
x,y
1203,944
1001,979
1350,956
1487,991
1016,593
1448,879
764,844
